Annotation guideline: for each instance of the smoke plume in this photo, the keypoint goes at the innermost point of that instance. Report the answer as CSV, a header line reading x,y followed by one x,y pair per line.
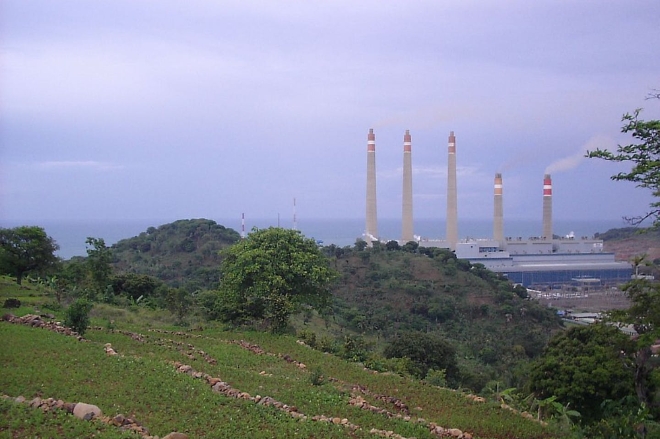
x,y
572,161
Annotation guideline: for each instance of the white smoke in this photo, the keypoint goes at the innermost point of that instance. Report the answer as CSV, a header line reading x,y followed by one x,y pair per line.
x,y
572,161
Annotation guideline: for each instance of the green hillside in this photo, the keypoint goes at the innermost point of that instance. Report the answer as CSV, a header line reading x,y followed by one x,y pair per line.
x,y
492,324
270,386
182,254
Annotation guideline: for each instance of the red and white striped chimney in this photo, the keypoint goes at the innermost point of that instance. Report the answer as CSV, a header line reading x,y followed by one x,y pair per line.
x,y
547,207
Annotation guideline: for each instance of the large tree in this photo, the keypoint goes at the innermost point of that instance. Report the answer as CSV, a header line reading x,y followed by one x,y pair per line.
x,y
426,352
644,154
26,249
270,275
584,367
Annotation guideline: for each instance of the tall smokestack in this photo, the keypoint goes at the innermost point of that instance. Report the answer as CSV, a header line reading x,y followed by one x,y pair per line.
x,y
372,219
547,207
452,198
407,208
498,215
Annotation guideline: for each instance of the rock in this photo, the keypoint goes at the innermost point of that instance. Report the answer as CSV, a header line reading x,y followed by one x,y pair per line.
x,y
20,399
12,303
119,420
86,411
36,402
455,432
176,435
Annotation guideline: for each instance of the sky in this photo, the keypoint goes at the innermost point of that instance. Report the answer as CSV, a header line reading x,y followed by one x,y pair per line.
x,y
140,109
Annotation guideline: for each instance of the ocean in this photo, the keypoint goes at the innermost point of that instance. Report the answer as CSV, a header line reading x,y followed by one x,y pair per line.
x,y
71,235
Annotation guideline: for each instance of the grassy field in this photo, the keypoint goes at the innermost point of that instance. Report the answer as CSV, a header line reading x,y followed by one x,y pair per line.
x,y
143,382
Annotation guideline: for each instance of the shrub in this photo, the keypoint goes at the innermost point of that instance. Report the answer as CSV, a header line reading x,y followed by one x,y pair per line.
x,y
436,377
316,377
308,336
77,315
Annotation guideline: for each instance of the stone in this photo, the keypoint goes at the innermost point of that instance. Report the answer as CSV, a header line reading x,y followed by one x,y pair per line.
x,y
20,399
36,402
176,435
119,420
455,432
86,411
12,303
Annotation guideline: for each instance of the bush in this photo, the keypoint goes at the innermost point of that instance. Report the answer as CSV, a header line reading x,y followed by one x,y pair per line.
x,y
436,377
77,316
316,377
308,336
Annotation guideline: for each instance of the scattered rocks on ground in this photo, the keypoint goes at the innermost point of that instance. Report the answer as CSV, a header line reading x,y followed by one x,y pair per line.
x,y
86,411
37,322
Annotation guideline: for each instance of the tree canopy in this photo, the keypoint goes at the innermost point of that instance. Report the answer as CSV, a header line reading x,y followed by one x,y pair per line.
x,y
644,154
426,352
25,249
270,275
584,367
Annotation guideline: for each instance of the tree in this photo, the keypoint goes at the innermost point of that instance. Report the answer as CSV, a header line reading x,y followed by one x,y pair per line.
x,y
271,274
644,315
584,367
645,156
77,316
426,352
25,249
98,262
178,302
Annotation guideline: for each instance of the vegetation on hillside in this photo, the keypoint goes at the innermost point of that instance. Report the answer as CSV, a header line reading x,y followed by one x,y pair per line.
x,y
183,254
269,276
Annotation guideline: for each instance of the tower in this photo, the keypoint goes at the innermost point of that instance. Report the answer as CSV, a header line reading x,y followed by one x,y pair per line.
x,y
407,208
452,198
371,232
498,214
547,207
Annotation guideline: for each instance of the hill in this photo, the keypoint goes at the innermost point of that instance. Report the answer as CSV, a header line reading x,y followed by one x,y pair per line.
x,y
382,292
216,384
630,242
182,254
494,326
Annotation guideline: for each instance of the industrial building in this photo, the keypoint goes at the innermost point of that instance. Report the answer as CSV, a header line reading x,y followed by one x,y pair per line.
x,y
545,261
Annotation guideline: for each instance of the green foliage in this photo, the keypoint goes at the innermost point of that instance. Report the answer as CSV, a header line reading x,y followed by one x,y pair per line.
x,y
178,302
436,377
623,419
183,254
99,257
425,352
271,274
26,249
135,285
644,156
644,315
77,316
583,367
316,377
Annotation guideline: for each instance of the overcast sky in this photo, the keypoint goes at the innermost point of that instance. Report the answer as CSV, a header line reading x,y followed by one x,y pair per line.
x,y
129,109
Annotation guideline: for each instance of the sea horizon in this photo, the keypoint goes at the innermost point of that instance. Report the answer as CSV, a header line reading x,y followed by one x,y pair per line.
x,y
71,235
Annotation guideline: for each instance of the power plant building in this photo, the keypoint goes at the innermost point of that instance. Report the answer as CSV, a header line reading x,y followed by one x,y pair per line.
x,y
545,261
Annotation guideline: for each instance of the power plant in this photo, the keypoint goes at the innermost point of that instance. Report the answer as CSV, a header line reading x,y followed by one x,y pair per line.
x,y
543,261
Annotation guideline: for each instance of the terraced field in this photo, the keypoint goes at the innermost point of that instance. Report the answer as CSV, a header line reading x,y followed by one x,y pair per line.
x,y
218,384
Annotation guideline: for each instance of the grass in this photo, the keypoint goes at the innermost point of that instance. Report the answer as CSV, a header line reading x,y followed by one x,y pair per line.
x,y
142,383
